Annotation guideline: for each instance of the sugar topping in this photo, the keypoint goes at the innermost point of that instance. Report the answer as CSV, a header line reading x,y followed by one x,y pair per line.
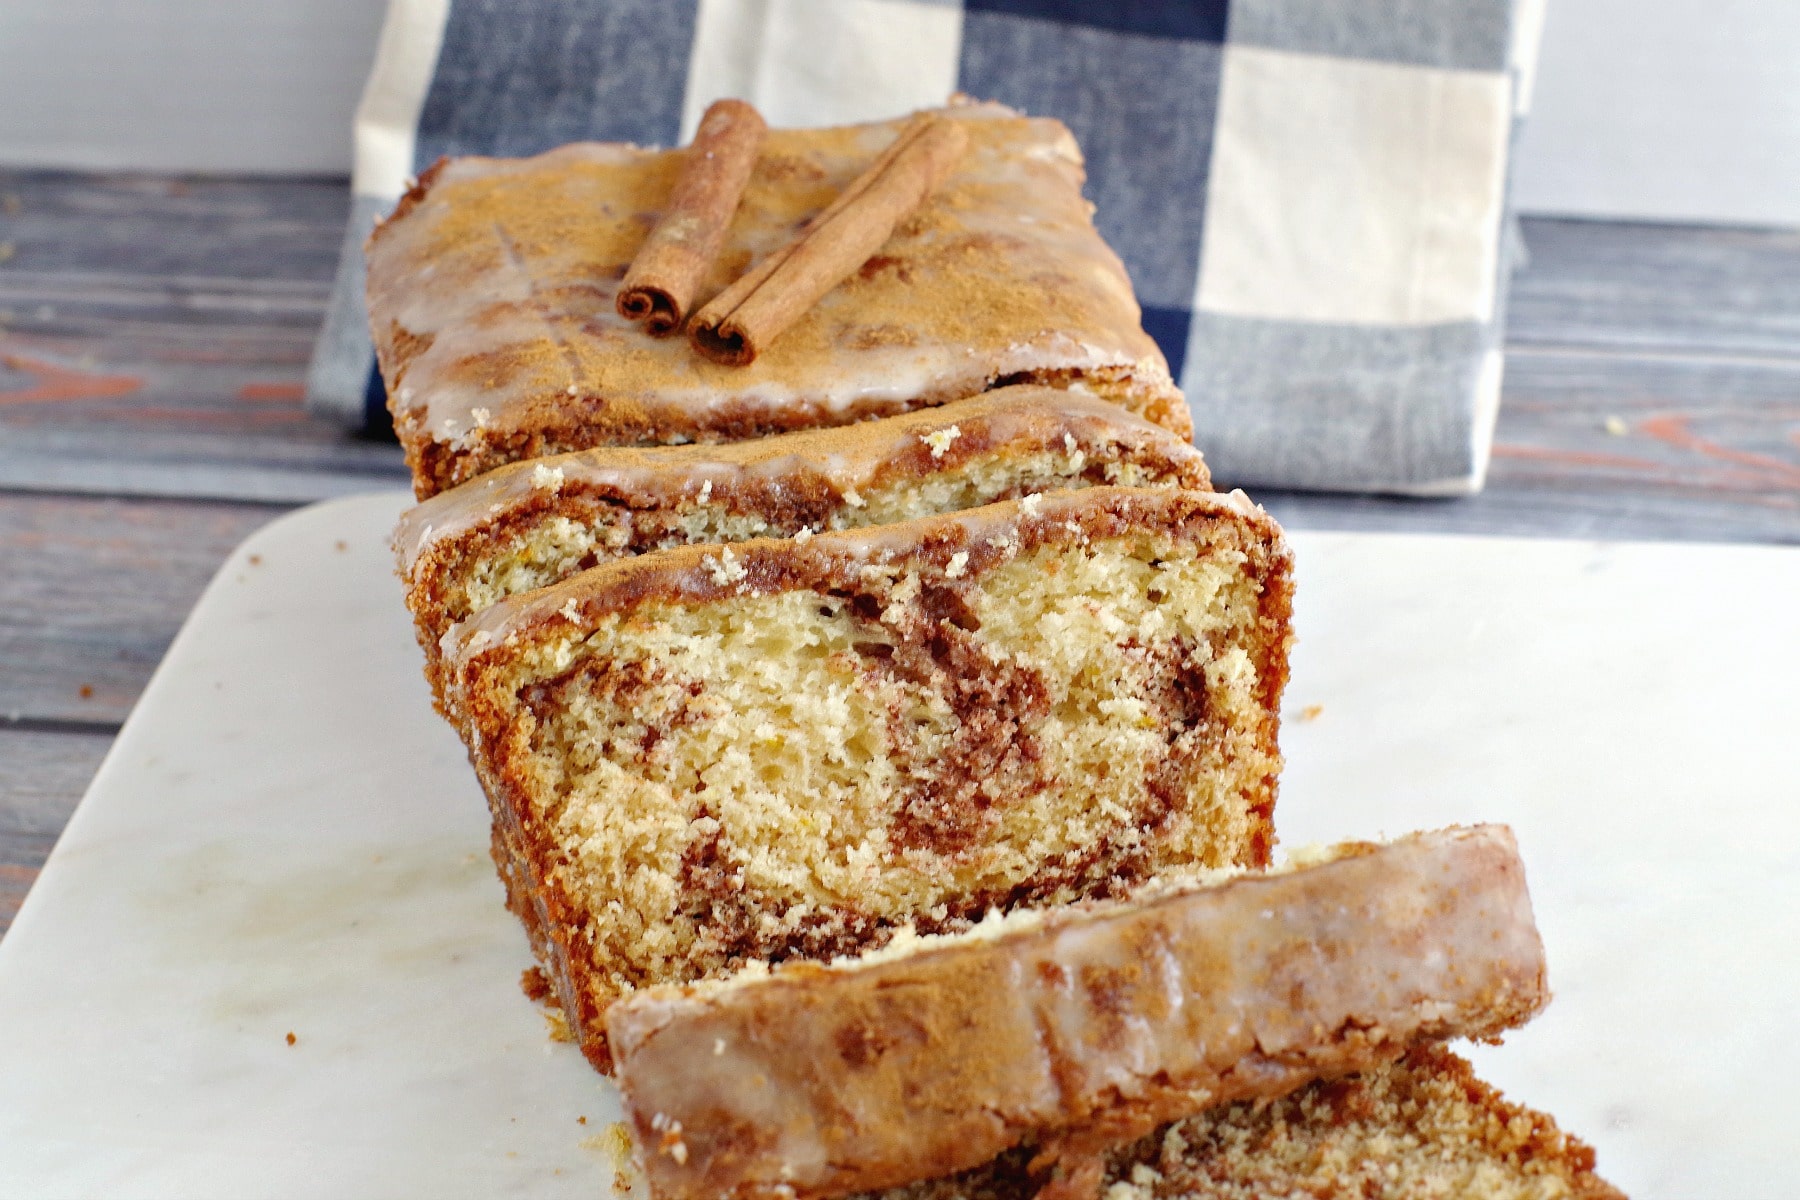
x,y
939,440
520,309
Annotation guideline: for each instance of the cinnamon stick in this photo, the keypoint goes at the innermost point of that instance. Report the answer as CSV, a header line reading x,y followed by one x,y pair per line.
x,y
660,286
738,323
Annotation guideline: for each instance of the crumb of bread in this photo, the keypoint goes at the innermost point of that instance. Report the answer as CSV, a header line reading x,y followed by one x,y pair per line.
x,y
534,983
614,1141
548,479
726,568
939,440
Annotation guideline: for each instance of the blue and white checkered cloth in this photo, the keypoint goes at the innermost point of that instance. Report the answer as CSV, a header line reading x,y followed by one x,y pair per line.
x,y
1310,195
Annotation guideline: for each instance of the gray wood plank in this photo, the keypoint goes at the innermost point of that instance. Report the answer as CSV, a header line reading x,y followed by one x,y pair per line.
x,y
245,228
1616,446
42,776
1666,289
288,462
1651,434
93,592
154,336
1565,510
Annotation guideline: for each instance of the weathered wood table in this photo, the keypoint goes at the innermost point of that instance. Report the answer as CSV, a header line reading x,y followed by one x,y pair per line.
x,y
154,334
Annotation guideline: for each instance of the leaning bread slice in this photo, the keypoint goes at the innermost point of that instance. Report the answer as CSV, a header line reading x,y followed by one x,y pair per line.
x,y
1421,1128
1074,1029
532,524
707,756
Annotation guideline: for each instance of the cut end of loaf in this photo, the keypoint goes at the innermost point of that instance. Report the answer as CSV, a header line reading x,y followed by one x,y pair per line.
x,y
1421,1128
714,757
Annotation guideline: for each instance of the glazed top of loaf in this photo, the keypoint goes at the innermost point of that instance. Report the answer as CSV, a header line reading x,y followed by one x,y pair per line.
x,y
794,468
956,546
1099,1019
491,287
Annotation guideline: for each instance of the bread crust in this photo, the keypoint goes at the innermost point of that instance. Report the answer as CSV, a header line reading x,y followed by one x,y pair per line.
x,y
1082,1031
491,295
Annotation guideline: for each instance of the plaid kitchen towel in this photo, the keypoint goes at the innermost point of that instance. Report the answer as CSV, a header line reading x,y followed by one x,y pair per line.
x,y
1310,195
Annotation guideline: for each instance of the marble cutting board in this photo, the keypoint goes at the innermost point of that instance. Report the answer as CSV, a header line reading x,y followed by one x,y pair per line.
x,y
285,839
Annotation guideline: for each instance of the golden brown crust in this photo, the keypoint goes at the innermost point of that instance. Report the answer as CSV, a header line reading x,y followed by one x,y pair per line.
x,y
479,653
492,291
1080,1031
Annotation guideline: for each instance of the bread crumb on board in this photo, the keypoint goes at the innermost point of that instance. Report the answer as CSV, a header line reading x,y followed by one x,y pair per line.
x,y
614,1141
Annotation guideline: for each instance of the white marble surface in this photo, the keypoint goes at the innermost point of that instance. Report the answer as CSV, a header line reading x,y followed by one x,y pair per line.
x,y
285,838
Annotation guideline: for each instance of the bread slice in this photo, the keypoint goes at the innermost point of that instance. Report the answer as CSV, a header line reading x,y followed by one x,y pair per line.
x,y
1421,1128
491,299
1074,1029
528,525
704,757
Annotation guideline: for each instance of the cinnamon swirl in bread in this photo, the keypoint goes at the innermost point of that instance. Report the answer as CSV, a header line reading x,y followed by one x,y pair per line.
x,y
708,756
528,525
